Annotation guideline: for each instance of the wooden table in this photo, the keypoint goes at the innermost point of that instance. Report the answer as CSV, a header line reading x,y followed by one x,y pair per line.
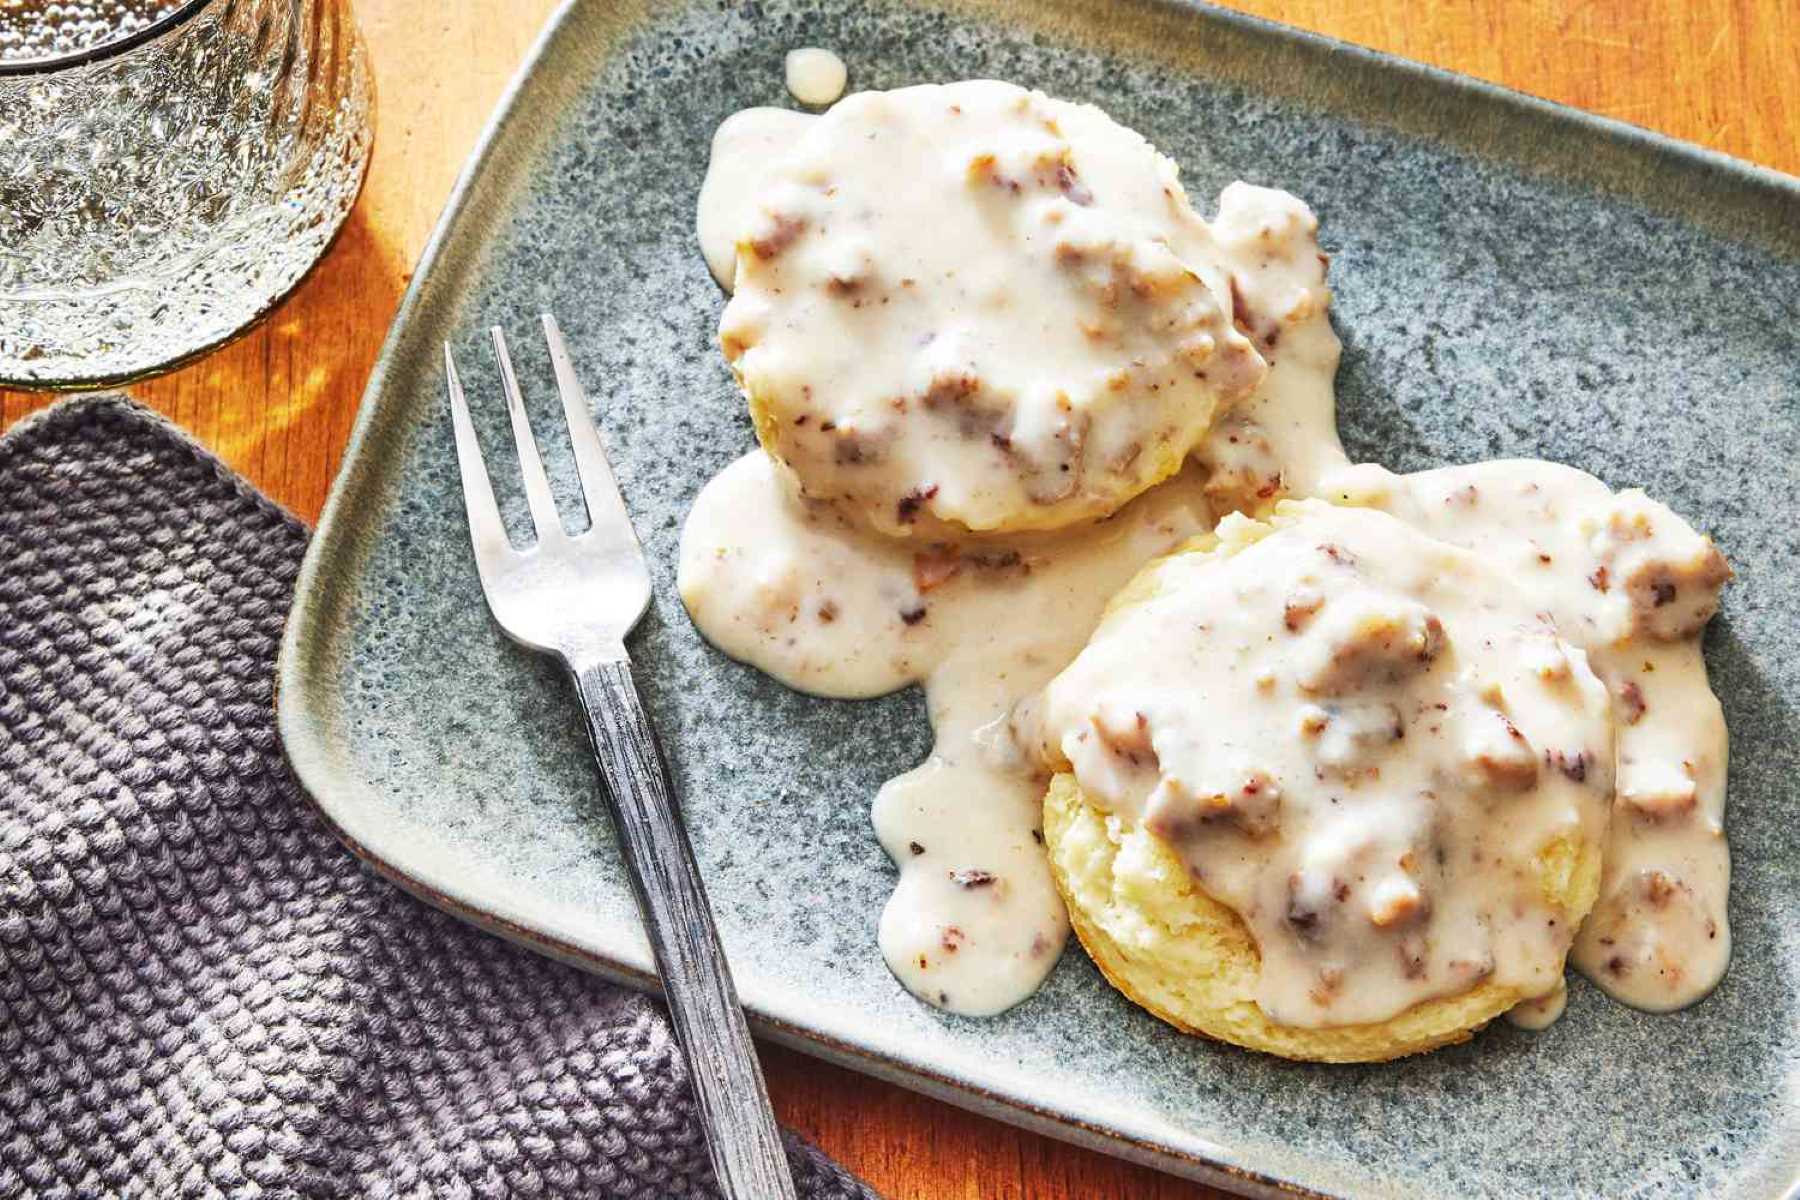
x,y
278,405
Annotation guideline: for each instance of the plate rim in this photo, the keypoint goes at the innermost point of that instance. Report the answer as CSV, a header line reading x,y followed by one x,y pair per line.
x,y
507,143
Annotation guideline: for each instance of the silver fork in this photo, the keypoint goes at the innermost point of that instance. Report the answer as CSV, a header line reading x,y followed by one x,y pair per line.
x,y
576,596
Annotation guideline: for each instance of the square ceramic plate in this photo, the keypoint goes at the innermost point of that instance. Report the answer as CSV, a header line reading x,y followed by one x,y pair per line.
x,y
1511,279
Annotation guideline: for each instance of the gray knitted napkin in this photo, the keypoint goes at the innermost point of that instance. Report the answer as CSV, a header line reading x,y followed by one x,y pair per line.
x,y
201,992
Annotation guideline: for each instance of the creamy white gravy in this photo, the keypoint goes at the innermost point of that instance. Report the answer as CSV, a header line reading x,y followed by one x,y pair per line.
x,y
810,591
746,148
1633,584
974,308
1540,1012
814,76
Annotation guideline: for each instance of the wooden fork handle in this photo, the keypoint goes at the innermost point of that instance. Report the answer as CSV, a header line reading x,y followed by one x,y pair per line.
x,y
740,1127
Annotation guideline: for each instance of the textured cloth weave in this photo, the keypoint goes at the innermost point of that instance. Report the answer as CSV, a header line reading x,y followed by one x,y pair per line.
x,y
201,992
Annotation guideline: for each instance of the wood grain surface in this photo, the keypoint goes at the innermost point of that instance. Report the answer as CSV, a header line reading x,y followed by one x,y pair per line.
x,y
278,405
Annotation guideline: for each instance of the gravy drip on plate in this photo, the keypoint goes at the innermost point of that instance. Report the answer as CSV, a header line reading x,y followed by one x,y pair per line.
x,y
1359,740
746,148
1540,1012
1633,584
1282,439
822,604
814,76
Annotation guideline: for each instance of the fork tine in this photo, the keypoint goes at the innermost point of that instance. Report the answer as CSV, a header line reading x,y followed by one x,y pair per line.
x,y
531,467
485,529
606,508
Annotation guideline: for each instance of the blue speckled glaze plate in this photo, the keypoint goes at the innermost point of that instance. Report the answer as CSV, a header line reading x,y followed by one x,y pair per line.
x,y
1511,278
